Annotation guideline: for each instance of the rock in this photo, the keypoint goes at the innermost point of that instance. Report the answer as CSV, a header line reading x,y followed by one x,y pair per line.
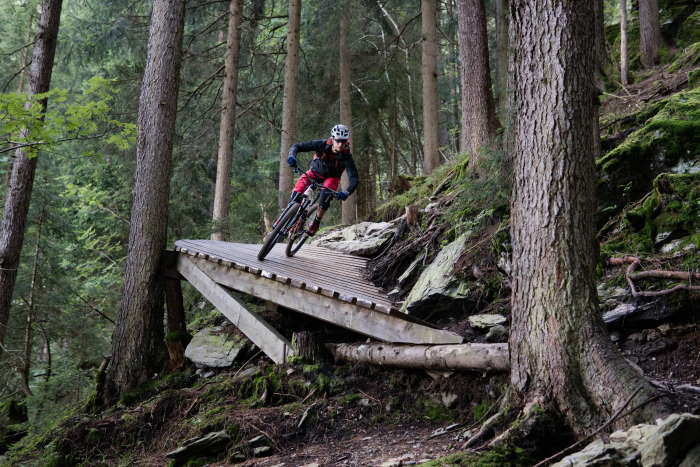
x,y
486,321
436,286
213,348
670,247
692,459
363,239
615,336
670,442
448,399
639,314
246,374
497,333
396,461
661,237
209,445
262,451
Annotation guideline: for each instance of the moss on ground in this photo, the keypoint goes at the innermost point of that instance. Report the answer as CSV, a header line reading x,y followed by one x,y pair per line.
x,y
505,456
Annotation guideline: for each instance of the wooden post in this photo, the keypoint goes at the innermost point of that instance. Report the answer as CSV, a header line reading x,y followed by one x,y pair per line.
x,y
177,336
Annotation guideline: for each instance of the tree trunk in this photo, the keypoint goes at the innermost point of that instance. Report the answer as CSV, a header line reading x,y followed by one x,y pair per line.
x,y
29,330
561,356
478,111
429,73
649,32
624,67
222,194
19,192
289,102
349,206
137,343
501,89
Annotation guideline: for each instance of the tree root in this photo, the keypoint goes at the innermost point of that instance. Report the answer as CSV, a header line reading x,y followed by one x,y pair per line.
x,y
631,276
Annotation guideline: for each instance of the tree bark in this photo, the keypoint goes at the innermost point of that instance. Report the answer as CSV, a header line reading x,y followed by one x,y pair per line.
x,y
478,110
561,356
222,193
624,67
429,73
649,32
349,206
19,192
501,88
289,102
138,350
492,357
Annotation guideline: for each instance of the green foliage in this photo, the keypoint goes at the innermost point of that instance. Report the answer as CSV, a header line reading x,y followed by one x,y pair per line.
x,y
24,124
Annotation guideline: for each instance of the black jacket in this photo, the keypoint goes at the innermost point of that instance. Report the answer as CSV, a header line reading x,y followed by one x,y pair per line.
x,y
326,163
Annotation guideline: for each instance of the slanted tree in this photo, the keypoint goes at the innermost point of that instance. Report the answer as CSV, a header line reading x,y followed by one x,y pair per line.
x,y
478,112
138,349
562,359
649,32
289,101
349,206
222,192
429,74
19,192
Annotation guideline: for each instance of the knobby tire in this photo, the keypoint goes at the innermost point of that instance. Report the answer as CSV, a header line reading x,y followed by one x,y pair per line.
x,y
273,236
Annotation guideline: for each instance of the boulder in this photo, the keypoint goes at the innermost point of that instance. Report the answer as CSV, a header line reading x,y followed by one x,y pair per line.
x,y
497,333
214,348
486,321
363,239
209,445
437,286
672,441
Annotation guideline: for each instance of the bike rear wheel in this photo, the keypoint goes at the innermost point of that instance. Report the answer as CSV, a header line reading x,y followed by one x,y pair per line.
x,y
276,233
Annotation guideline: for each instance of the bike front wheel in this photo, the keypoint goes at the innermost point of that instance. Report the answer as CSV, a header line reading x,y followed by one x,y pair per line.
x,y
278,232
295,242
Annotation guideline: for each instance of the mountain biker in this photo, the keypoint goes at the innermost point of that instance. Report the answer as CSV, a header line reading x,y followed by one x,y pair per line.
x,y
331,157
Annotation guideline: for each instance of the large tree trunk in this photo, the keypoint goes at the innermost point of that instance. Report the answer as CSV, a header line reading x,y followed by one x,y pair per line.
x,y
289,102
478,111
649,32
429,73
501,89
561,356
138,350
222,193
624,67
19,192
349,206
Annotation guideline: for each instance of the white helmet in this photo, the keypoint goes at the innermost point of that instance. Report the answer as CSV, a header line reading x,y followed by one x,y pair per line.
x,y
340,132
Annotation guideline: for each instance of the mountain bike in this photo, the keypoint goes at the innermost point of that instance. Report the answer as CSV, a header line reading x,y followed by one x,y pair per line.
x,y
294,220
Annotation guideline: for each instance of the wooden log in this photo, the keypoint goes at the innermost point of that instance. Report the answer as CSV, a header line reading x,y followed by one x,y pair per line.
x,y
177,338
412,213
307,346
489,357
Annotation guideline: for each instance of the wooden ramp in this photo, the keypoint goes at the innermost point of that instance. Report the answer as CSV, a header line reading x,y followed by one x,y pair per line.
x,y
322,283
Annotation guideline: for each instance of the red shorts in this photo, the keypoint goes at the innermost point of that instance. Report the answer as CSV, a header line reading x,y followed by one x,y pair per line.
x,y
332,183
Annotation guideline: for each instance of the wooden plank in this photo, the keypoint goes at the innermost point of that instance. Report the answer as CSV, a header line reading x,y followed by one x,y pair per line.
x,y
252,325
370,323
315,271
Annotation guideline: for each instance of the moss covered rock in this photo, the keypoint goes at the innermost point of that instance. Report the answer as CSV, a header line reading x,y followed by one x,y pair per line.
x,y
670,212
667,141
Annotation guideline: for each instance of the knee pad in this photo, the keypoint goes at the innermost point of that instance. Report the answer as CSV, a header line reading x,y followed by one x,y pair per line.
x,y
325,200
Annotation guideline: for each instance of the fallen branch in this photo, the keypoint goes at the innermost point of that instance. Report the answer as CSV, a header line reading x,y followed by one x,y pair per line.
x,y
631,276
492,357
